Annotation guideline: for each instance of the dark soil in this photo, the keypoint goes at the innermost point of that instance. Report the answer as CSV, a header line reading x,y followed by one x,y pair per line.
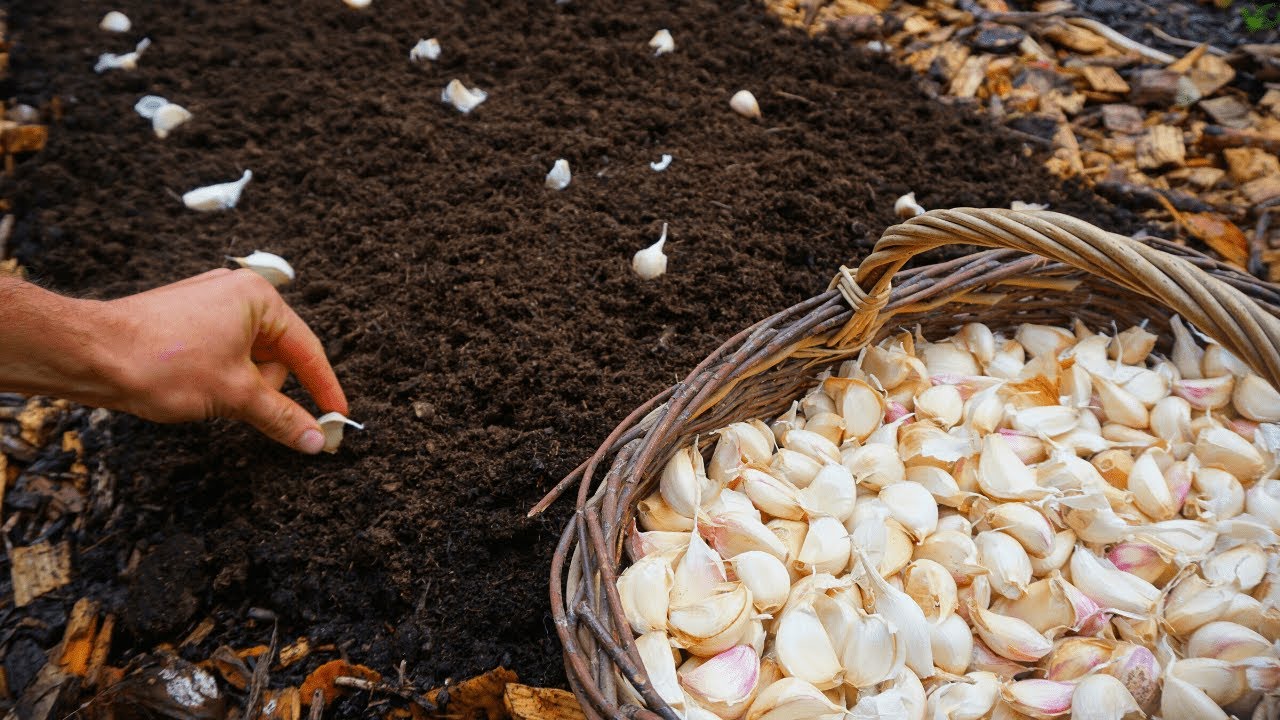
x,y
488,330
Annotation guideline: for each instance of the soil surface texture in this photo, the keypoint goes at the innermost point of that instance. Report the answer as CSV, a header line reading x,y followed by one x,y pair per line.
x,y
1188,20
487,329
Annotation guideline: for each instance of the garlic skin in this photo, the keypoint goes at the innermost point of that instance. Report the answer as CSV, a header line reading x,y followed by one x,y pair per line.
x,y
116,22
223,196
461,97
425,49
662,42
651,262
274,268
744,103
559,176
127,61
662,164
906,206
332,425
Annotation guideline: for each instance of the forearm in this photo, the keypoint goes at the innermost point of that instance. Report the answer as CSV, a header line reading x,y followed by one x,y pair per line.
x,y
52,345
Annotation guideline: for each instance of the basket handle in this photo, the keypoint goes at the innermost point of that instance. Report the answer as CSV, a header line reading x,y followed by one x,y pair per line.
x,y
1214,307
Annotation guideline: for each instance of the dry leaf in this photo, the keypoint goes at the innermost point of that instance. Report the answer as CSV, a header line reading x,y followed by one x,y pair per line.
x,y
478,697
322,679
1220,234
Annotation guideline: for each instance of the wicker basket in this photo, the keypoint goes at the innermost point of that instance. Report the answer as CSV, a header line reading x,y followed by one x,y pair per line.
x,y
1046,268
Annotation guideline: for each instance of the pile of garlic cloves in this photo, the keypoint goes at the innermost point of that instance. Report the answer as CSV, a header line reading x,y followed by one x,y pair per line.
x,y
1052,523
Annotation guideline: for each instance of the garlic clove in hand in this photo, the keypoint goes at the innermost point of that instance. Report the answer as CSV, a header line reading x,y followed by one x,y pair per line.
x,y
559,177
274,268
662,164
332,424
462,98
428,49
115,21
906,206
744,103
127,61
651,262
662,42
222,196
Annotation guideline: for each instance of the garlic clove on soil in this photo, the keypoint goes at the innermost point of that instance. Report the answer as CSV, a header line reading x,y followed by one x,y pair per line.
x,y
662,42
223,196
332,424
662,163
168,118
127,61
461,97
744,103
274,268
906,206
358,4
425,49
651,262
559,177
116,22
148,105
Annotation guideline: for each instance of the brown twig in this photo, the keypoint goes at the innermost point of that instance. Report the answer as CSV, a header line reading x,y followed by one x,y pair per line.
x,y
404,693
261,675
1212,49
317,705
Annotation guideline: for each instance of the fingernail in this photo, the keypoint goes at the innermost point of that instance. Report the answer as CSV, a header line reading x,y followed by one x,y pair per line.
x,y
311,442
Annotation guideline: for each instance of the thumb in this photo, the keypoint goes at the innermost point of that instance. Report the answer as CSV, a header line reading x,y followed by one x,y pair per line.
x,y
284,421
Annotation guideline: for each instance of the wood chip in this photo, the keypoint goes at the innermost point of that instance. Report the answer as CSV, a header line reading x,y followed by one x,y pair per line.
x,y
291,654
101,651
1160,147
1248,163
24,138
1123,119
39,568
283,704
1205,178
77,640
1075,38
1161,88
950,59
1262,189
533,703
969,79
1211,74
1104,79
1229,111
1271,102
918,24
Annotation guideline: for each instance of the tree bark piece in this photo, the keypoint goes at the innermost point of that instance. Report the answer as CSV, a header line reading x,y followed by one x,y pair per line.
x,y
1160,147
39,568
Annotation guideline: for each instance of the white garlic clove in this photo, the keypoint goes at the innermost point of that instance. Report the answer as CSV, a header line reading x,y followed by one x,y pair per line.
x,y
955,551
274,268
425,49
765,576
791,699
934,590
559,176
744,103
1222,681
725,684
127,61
461,97
1119,405
1110,587
1008,637
1171,420
1242,567
1180,700
662,164
358,4
738,532
875,466
1223,640
825,548
1044,339
827,424
682,483
899,609
979,340
1064,543
1263,501
332,425
1132,346
804,648
1219,361
1187,355
772,495
1007,561
1025,524
941,404
168,118
1003,476
698,573
1218,447
811,444
662,42
651,262
223,196
906,206
1150,490
660,666
1255,399
1102,697
792,533
645,589
861,406
872,652
116,22
714,624
832,493
911,505
952,644
655,514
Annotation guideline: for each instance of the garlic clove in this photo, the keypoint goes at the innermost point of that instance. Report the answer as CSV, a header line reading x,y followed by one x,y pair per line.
x,y
1180,700
911,505
872,651
1206,393
811,444
1170,420
559,176
1119,405
772,495
1150,490
274,268
1139,558
662,164
726,683
1229,641
904,614
941,404
1187,355
1064,543
1003,476
744,103
714,624
949,360
861,406
1255,399
1008,637
660,666
827,424
955,551
1044,339
952,644
358,4
651,262
332,425
825,548
698,573
116,22
792,533
1132,346
1025,524
643,544
1045,420
1263,501
1242,567
425,49
682,485
167,118
1222,681
1007,561
462,98
832,492
645,588
791,699
794,467
1102,697
977,339
1039,698
971,700
1074,657
906,206
738,532
223,196
1218,447
655,514
1110,587
147,105
804,648
934,590
662,43
1219,361
765,576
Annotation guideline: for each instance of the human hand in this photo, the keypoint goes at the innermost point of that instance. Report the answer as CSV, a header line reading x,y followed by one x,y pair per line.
x,y
219,344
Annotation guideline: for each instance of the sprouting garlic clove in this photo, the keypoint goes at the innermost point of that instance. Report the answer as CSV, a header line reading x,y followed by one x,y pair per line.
x,y
332,425
462,98
116,22
425,49
559,177
1132,346
1102,697
223,196
274,268
906,206
645,589
662,42
744,103
1255,399
651,262
765,576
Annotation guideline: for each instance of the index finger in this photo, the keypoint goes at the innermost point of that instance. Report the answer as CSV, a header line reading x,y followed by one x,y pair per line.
x,y
300,350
